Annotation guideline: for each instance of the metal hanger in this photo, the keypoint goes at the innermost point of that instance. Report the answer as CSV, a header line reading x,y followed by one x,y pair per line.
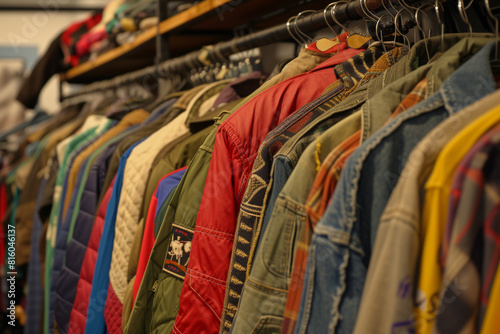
x,y
396,26
380,39
379,30
326,20
495,62
334,16
300,32
437,6
388,9
422,9
462,10
290,31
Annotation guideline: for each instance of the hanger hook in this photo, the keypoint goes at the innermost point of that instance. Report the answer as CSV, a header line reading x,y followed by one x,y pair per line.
x,y
297,29
290,31
326,20
381,39
387,9
300,37
334,16
437,6
406,6
494,18
396,26
421,9
462,10
368,13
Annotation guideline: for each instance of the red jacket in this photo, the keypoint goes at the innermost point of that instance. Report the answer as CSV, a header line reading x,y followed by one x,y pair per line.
x,y
236,146
78,316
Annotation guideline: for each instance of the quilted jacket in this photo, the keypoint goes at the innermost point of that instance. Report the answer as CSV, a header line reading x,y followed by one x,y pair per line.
x,y
95,323
236,144
66,231
78,316
50,245
76,247
129,207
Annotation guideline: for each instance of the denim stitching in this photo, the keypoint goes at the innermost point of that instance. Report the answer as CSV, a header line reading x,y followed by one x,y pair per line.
x,y
350,219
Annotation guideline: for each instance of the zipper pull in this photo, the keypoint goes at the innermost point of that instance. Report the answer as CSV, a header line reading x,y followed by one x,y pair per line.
x,y
155,286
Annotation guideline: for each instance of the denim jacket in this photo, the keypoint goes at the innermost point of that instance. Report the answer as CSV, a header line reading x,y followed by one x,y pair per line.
x,y
342,241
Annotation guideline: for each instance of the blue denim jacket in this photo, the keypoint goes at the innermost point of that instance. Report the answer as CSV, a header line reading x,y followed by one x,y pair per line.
x,y
342,241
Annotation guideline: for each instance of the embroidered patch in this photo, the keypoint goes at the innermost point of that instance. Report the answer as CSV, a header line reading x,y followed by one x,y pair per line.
x,y
179,249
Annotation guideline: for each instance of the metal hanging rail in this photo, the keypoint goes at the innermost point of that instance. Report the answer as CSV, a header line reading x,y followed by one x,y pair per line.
x,y
344,12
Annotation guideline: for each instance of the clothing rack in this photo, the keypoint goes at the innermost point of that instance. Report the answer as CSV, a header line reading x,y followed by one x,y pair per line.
x,y
344,12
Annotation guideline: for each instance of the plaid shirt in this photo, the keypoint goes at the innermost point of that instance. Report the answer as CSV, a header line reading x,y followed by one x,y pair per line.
x,y
319,198
474,205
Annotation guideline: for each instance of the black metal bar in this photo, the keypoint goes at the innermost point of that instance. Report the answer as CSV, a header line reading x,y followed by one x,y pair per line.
x,y
344,12
162,51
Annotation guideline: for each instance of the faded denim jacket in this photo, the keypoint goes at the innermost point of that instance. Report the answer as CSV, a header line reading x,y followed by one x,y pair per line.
x,y
343,239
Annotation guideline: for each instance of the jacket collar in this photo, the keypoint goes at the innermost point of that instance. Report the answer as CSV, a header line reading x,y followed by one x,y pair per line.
x,y
401,79
470,82
208,91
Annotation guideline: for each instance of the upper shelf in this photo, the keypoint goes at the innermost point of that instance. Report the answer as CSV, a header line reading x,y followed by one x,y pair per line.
x,y
207,22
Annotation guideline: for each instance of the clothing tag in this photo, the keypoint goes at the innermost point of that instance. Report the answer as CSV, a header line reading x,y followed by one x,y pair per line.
x,y
357,41
325,44
178,251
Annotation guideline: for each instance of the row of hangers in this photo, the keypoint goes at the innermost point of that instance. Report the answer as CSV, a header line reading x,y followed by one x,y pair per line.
x,y
391,25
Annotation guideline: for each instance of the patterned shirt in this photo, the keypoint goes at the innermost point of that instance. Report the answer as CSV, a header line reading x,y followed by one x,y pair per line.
x,y
319,198
474,237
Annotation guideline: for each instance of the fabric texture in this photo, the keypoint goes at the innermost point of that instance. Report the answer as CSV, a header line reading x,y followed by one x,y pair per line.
x,y
136,171
80,229
237,141
82,163
27,200
165,186
319,198
100,284
150,313
251,213
78,316
385,145
294,165
434,216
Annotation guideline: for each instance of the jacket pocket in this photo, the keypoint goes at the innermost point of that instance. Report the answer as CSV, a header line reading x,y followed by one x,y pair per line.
x,y
268,324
